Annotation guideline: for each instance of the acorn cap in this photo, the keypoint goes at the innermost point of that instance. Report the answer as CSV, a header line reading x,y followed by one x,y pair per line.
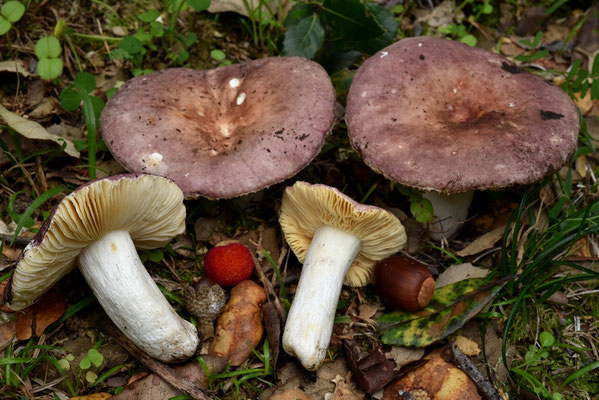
x,y
223,132
439,115
149,207
306,207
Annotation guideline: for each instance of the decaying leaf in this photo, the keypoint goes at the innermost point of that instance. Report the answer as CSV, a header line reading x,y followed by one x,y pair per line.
x,y
459,272
291,394
451,307
344,391
17,66
34,319
95,396
33,130
239,328
7,333
153,387
404,355
485,242
239,6
438,380
372,371
467,346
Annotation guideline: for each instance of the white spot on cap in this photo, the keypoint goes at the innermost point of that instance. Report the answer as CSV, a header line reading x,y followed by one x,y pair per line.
x,y
384,53
187,174
156,157
512,104
393,91
233,83
419,44
240,98
455,90
450,107
224,130
213,152
363,94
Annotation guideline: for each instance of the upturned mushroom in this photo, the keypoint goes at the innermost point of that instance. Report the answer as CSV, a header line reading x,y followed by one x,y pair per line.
x,y
441,116
224,132
338,240
98,227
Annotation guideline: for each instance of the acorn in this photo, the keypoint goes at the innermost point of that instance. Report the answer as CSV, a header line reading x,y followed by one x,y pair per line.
x,y
403,283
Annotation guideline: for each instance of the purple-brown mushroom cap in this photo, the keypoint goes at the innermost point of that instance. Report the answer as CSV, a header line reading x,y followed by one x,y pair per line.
x,y
224,132
439,115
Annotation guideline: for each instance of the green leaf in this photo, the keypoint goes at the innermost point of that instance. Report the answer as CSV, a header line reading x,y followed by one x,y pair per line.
x,y
48,47
4,25
156,29
217,55
199,5
350,19
470,40
487,8
451,307
70,99
546,339
85,82
595,89
190,39
422,209
149,15
297,13
305,38
156,255
130,45
13,11
85,363
49,68
95,357
389,24
595,69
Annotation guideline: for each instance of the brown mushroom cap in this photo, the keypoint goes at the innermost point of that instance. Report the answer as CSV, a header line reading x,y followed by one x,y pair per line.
x,y
223,132
306,207
439,115
149,207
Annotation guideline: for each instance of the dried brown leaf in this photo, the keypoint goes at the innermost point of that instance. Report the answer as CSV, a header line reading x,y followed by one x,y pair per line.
x,y
239,328
459,272
34,319
482,243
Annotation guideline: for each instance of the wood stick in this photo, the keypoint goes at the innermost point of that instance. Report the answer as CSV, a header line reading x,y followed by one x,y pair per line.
x,y
161,369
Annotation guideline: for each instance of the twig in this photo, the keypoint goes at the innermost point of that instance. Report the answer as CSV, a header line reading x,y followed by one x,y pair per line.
x,y
161,369
21,241
452,353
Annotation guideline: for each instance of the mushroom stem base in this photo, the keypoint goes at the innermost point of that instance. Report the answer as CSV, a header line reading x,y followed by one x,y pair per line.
x,y
310,321
132,300
450,212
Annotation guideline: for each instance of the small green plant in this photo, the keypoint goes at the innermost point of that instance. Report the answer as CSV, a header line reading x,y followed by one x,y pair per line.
x,y
220,56
264,25
420,207
579,80
350,27
155,34
93,357
458,32
11,12
78,94
48,51
534,54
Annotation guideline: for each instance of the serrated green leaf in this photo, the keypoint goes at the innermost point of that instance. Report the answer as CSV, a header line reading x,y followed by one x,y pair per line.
x,y
351,20
149,15
49,68
85,82
48,47
451,307
130,45
4,26
13,11
199,5
297,13
305,38
387,22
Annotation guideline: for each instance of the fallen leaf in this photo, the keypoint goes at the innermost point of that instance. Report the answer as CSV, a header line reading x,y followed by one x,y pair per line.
x,y
451,307
404,355
239,6
34,319
438,379
17,66
468,346
482,243
584,103
95,396
581,162
239,328
272,321
46,107
153,387
7,333
291,394
344,391
372,371
33,130
459,272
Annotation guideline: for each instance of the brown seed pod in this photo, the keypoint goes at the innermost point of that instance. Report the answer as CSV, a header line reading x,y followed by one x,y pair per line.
x,y
403,283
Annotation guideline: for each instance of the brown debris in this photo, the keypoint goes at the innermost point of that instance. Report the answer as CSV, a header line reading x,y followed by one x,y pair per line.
x,y
372,371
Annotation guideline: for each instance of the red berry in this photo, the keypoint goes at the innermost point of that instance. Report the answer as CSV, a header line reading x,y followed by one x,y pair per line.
x,y
228,265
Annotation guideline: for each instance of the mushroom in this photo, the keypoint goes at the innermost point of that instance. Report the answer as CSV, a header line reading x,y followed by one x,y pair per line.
x,y
224,132
98,227
339,240
449,119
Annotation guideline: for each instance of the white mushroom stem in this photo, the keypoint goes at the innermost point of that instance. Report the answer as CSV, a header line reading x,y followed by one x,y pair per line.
x,y
310,321
450,212
132,300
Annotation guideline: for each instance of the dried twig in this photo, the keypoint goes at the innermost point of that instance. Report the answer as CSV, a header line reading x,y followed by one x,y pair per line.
x,y
452,353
